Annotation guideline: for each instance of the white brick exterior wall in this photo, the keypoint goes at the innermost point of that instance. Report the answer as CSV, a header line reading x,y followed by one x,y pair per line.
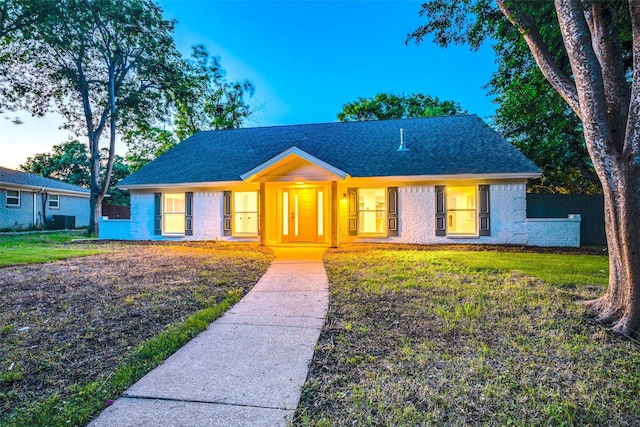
x,y
416,210
554,231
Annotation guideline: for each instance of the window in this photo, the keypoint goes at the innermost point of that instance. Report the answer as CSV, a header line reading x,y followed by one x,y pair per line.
x,y
462,210
245,212
13,198
173,213
371,210
54,201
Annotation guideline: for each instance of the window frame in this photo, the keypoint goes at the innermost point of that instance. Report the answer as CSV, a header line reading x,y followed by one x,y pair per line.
x,y
377,210
57,201
174,213
17,197
235,212
471,212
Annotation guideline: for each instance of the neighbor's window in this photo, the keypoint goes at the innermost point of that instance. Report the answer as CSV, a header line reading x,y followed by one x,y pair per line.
x,y
173,214
54,201
371,210
245,212
13,198
461,210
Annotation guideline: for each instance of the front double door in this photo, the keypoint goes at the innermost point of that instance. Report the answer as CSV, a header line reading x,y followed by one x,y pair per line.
x,y
302,214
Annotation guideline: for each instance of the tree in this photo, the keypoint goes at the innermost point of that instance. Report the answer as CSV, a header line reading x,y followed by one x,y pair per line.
x,y
603,89
389,106
106,66
206,101
69,162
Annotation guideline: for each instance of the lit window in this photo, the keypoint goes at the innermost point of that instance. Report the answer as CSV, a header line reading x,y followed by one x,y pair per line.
x,y
245,212
461,210
372,210
54,201
174,207
13,198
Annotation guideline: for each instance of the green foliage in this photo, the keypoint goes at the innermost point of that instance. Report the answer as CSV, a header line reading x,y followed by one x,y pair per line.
x,y
69,162
389,106
531,114
87,400
204,100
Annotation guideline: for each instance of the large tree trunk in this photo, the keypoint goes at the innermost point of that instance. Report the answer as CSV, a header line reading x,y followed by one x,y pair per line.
x,y
620,306
609,114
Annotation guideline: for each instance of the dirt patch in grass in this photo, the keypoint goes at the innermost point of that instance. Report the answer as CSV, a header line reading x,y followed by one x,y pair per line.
x,y
413,338
74,321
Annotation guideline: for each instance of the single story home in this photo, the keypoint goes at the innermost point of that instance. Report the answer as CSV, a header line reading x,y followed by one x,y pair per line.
x,y
30,201
448,179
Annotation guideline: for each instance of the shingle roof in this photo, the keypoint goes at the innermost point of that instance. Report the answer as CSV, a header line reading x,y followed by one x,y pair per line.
x,y
9,177
449,145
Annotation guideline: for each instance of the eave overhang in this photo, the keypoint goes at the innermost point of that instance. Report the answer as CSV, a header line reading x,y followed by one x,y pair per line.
x,y
288,155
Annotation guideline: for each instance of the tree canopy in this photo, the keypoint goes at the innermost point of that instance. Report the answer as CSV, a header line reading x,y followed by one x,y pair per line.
x,y
385,106
600,42
530,114
206,100
104,66
69,162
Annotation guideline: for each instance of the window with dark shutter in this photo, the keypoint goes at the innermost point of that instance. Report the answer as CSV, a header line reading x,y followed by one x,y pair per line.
x,y
226,213
392,211
352,217
483,214
441,211
157,214
188,214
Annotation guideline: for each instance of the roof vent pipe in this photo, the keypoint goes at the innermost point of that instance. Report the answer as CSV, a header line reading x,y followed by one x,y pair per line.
x,y
402,147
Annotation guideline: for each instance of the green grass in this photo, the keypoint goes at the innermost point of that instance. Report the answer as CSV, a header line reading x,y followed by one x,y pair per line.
x,y
421,337
31,248
551,268
87,400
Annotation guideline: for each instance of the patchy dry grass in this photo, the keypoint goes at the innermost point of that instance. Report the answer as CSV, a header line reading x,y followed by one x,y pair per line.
x,y
68,323
424,337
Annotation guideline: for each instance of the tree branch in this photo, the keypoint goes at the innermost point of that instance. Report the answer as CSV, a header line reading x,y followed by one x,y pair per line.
x,y
606,45
565,87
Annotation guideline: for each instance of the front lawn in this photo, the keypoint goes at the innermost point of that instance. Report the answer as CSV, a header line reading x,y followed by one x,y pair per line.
x,y
445,337
29,248
75,333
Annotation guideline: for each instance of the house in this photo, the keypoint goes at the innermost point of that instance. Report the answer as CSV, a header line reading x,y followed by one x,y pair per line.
x,y
30,201
445,179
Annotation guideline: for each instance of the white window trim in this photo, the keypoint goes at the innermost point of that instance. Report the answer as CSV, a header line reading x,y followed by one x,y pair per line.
x,y
165,214
234,212
57,201
382,233
11,205
473,211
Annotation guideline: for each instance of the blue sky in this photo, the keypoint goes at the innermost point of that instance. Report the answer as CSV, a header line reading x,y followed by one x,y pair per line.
x,y
306,60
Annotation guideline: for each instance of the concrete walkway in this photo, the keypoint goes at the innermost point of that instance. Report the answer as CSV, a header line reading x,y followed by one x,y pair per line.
x,y
249,366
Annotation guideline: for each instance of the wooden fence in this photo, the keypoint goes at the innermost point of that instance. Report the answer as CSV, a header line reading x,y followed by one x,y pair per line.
x,y
116,212
590,207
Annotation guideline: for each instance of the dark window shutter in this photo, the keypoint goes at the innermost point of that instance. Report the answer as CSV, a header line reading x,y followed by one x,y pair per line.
x,y
441,211
226,213
157,214
392,211
352,195
188,214
483,214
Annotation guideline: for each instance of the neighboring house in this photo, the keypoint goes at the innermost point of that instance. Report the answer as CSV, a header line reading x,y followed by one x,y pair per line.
x,y
445,179
30,201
